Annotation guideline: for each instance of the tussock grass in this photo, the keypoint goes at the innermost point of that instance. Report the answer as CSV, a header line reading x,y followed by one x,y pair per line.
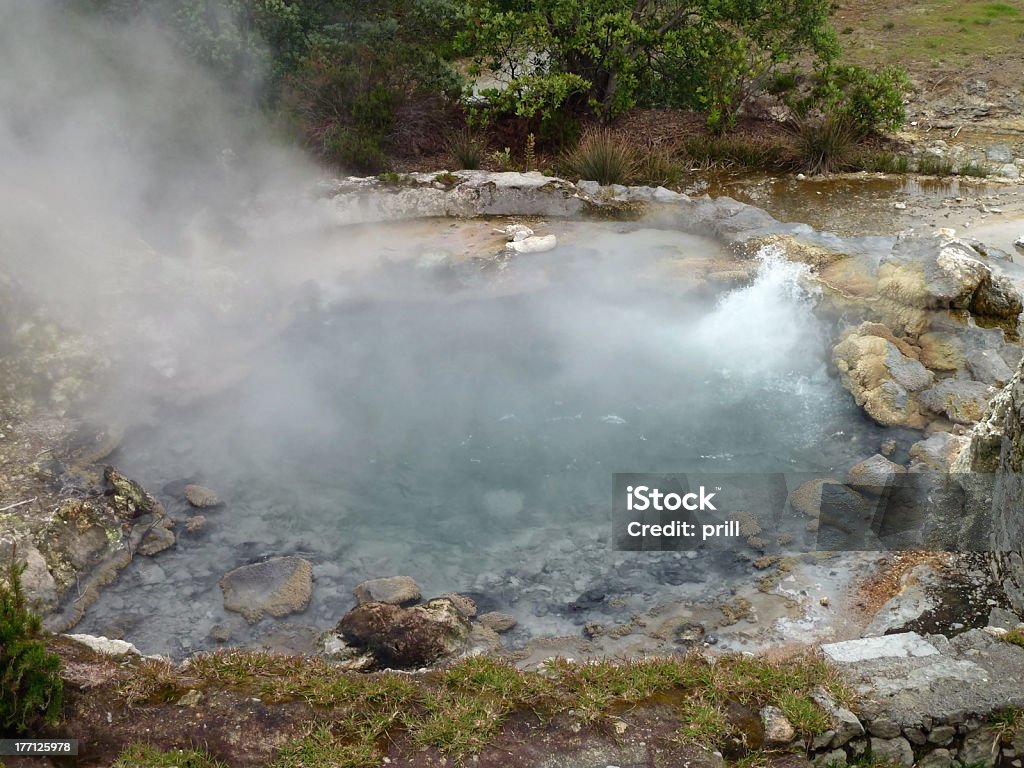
x,y
467,148
1015,636
601,156
930,165
825,144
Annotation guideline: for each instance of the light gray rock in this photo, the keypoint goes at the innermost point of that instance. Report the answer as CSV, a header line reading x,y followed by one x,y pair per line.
x,y
903,645
1009,171
276,587
939,451
896,751
1000,617
105,645
845,724
999,153
989,367
393,590
777,728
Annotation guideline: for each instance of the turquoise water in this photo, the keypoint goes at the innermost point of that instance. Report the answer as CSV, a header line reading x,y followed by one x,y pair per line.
x,y
451,424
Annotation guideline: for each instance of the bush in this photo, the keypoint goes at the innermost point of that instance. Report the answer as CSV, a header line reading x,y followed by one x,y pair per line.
x,y
30,683
870,102
603,157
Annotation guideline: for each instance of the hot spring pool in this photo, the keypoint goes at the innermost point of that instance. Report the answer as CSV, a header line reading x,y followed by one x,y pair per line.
x,y
459,421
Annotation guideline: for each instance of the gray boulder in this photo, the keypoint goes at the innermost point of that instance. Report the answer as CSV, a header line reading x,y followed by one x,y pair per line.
x,y
393,590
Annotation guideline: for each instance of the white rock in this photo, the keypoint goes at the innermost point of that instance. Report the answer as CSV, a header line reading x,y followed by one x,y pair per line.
x,y
533,244
105,645
903,645
899,206
516,232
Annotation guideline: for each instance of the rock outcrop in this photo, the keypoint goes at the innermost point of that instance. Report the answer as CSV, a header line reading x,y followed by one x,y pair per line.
x,y
882,377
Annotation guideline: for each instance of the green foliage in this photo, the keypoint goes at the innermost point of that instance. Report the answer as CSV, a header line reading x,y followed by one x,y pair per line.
x,y
611,55
870,102
658,168
931,165
30,684
882,162
974,168
603,157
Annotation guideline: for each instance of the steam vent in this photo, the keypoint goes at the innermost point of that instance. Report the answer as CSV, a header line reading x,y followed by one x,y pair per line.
x,y
526,385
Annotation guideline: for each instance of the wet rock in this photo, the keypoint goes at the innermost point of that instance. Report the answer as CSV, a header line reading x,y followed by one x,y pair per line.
x,y
277,587
939,451
777,728
393,590
895,751
128,497
464,603
220,633
873,475
499,622
689,634
997,297
882,379
406,637
156,539
201,497
988,367
962,400
195,524
190,699
941,352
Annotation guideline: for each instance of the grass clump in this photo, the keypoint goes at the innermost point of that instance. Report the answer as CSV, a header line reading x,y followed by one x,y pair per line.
x,y
704,153
881,161
657,167
467,148
322,747
825,143
930,165
137,754
1015,636
975,169
601,156
31,688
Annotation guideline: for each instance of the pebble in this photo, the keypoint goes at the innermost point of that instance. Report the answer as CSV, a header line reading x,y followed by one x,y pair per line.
x,y
899,206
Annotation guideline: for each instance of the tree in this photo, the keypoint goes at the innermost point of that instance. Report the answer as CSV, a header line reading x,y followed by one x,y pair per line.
x,y
30,683
707,54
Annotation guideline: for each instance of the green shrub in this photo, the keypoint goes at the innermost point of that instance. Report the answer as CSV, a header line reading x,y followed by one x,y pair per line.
x,y
30,685
881,161
871,102
975,169
603,157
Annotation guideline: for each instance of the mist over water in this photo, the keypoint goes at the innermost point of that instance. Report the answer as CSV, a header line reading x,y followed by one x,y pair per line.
x,y
358,396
